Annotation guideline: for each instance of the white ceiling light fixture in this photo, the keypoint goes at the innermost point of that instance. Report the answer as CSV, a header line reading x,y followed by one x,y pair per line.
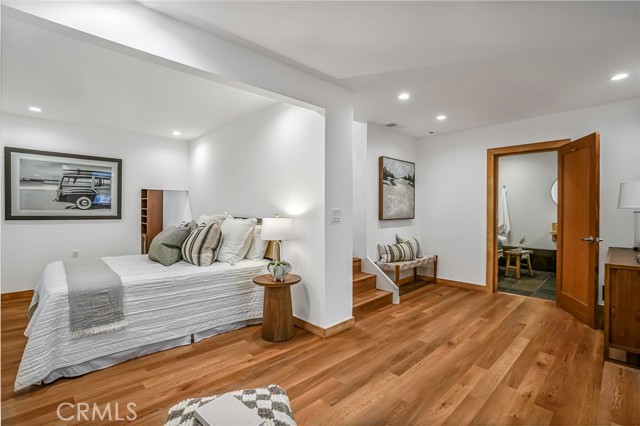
x,y
620,76
404,96
176,133
35,109
441,117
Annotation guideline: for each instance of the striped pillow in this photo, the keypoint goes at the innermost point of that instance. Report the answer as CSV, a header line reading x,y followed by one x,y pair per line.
x,y
396,252
415,244
202,244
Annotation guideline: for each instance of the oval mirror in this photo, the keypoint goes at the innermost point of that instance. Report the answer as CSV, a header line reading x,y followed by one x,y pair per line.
x,y
554,191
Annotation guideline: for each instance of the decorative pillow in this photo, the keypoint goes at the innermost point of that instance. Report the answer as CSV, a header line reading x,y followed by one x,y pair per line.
x,y
415,244
258,246
201,245
396,252
207,219
165,247
236,239
184,224
271,403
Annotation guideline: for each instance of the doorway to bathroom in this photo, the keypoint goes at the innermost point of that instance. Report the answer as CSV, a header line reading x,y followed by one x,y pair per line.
x,y
577,232
527,224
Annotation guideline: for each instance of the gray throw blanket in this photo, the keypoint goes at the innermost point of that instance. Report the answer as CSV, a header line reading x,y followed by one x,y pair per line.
x,y
95,297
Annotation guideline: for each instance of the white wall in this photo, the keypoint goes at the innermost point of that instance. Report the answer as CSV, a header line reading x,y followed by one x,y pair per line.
x,y
136,30
388,143
528,179
360,163
175,208
453,174
147,162
270,162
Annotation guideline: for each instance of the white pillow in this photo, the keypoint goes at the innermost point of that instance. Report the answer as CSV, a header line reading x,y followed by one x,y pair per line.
x,y
208,219
415,245
236,239
258,246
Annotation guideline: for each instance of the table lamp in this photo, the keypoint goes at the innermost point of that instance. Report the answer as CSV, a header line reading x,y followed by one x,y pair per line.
x,y
277,229
629,198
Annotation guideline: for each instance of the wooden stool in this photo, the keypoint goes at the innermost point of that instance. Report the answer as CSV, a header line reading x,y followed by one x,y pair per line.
x,y
518,256
277,314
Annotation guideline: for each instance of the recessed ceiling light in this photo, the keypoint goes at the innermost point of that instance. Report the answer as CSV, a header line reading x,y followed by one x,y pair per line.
x,y
35,109
404,96
620,76
176,133
441,117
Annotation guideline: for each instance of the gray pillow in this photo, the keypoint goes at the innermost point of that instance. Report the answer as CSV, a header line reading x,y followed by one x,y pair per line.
x,y
165,247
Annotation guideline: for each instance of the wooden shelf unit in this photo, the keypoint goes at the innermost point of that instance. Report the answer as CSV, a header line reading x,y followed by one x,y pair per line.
x,y
151,213
622,307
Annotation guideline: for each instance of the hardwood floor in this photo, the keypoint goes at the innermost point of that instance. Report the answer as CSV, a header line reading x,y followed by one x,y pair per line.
x,y
445,355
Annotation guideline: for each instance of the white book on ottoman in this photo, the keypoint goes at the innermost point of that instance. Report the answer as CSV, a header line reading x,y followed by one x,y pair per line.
x,y
227,410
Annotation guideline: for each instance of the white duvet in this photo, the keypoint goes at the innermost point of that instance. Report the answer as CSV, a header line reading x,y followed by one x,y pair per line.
x,y
160,303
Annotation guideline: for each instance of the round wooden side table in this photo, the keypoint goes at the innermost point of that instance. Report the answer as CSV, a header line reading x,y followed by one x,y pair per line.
x,y
277,314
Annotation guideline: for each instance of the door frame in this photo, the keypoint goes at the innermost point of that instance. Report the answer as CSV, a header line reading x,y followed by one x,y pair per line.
x,y
493,156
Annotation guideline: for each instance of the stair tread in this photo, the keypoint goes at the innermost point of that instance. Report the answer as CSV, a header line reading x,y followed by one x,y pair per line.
x,y
369,296
361,276
357,265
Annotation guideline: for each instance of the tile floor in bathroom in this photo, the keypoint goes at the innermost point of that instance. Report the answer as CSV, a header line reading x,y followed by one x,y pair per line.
x,y
541,285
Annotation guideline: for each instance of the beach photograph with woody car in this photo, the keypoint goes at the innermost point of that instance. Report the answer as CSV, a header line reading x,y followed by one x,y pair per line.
x,y
54,185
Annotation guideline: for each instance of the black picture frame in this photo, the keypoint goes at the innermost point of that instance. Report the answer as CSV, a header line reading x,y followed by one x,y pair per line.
x,y
94,182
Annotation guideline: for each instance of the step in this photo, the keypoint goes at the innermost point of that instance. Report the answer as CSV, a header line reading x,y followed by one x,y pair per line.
x,y
370,301
363,281
357,265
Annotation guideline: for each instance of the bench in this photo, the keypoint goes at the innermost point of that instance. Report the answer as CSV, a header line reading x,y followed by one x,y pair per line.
x,y
399,267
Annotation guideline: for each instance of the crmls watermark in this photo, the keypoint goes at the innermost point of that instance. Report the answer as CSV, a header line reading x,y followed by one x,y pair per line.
x,y
112,412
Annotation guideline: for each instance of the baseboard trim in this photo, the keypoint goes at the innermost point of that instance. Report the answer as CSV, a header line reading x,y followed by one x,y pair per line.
x,y
324,332
24,294
461,284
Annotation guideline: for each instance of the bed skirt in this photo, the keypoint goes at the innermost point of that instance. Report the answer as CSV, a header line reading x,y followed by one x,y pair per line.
x,y
117,358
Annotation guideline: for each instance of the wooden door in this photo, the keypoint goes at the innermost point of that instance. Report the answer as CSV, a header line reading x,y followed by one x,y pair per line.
x,y
578,236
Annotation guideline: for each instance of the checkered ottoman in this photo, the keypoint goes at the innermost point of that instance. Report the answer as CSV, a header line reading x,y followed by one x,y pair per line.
x,y
271,402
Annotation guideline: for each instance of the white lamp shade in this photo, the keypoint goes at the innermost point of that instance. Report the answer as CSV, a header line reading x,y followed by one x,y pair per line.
x,y
277,228
629,195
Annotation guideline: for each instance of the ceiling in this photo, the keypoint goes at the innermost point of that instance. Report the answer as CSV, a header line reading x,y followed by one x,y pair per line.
x,y
480,63
76,82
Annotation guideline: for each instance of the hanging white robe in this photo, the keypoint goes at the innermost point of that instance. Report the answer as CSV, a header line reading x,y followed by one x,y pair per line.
x,y
504,225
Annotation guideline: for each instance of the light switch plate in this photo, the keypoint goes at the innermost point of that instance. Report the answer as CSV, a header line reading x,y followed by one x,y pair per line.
x,y
336,215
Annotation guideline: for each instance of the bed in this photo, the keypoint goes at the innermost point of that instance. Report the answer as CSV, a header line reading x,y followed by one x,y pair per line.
x,y
164,306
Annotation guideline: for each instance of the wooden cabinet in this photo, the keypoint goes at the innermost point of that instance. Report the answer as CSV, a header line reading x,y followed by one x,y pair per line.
x,y
622,306
151,214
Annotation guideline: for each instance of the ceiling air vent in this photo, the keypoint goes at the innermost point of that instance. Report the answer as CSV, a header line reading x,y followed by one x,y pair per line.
x,y
392,125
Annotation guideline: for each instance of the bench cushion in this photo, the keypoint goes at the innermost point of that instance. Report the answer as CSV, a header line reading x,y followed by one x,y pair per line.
x,y
405,266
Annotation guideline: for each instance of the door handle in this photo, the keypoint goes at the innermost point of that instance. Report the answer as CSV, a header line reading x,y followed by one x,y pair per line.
x,y
592,239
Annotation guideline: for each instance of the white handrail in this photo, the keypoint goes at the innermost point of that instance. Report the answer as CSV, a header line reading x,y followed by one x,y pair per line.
x,y
383,282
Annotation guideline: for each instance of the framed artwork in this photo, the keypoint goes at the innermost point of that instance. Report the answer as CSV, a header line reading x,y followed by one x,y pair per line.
x,y
397,193
43,185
